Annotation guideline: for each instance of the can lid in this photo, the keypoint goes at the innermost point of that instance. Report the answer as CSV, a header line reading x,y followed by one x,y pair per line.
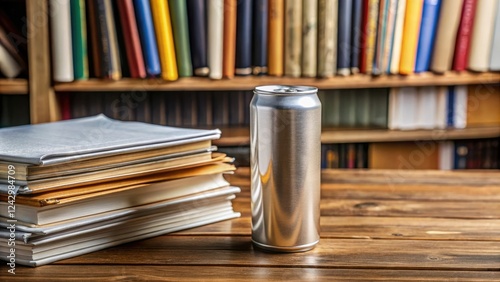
x,y
285,90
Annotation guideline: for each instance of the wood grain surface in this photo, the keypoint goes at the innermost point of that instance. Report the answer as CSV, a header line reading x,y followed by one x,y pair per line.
x,y
432,230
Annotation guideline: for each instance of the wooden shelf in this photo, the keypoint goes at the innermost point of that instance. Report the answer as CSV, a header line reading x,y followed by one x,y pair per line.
x,y
17,86
240,136
248,83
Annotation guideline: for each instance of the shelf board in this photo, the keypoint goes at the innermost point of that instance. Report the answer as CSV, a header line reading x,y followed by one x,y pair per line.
x,y
240,136
249,82
16,86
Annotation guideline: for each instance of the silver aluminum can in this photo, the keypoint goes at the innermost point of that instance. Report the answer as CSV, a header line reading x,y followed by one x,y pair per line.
x,y
285,148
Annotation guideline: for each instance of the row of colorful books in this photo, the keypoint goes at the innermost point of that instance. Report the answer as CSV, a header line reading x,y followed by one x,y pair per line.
x,y
221,38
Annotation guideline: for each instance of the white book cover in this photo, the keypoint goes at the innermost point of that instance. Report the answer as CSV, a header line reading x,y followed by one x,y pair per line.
x,y
398,37
215,12
8,65
393,119
427,107
495,47
460,107
407,109
62,52
441,107
446,155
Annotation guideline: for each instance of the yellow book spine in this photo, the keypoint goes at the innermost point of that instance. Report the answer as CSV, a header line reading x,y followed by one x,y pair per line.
x,y
165,39
276,36
411,31
371,34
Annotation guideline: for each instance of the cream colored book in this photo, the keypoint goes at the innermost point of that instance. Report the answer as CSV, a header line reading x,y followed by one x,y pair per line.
x,y
62,50
309,37
8,65
398,37
327,37
293,38
215,37
482,35
446,35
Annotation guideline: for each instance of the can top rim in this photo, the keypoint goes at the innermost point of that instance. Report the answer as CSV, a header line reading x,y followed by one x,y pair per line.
x,y
285,90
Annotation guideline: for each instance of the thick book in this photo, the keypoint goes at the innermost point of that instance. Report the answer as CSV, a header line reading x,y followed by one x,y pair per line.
x,y
309,38
385,54
293,38
197,15
276,37
215,12
397,38
260,36
413,16
165,39
464,35
356,34
495,47
482,35
79,39
9,67
7,42
344,37
62,50
244,38
370,21
430,14
327,38
131,37
426,107
444,46
178,14
229,59
148,38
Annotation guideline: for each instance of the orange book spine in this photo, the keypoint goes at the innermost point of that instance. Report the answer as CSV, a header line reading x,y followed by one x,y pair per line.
x,y
411,30
229,44
276,37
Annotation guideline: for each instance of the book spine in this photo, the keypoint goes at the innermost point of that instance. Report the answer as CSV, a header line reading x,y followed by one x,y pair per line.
x,y
327,38
309,38
451,106
391,23
79,36
215,12
62,52
449,19
104,41
430,14
413,16
260,39
8,64
165,39
131,37
147,36
357,17
398,37
495,48
293,37
344,37
115,72
482,35
276,36
180,30
371,35
464,35
229,42
244,38
197,14
365,17
381,36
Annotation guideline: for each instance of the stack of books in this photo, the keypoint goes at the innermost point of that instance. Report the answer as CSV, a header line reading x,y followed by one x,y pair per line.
x,y
77,186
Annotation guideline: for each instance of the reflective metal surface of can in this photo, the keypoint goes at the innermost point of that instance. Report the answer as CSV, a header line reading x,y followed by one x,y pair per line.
x,y
285,146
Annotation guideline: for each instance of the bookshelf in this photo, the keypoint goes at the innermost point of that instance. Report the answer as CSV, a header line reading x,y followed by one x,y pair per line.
x,y
17,86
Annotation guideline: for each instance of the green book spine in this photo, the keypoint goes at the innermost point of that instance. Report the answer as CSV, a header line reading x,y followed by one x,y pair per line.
x,y
178,14
79,39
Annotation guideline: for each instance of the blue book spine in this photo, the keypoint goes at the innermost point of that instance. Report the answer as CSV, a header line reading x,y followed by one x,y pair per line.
x,y
344,37
244,38
451,106
430,16
148,38
357,12
260,19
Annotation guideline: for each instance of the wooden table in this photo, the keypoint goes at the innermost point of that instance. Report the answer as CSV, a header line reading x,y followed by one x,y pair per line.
x,y
376,226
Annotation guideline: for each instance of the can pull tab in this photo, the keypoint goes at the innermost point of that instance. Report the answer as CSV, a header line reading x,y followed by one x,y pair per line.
x,y
287,89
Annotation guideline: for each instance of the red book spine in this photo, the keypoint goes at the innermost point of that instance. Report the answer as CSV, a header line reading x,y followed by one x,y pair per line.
x,y
364,39
65,102
464,35
131,38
